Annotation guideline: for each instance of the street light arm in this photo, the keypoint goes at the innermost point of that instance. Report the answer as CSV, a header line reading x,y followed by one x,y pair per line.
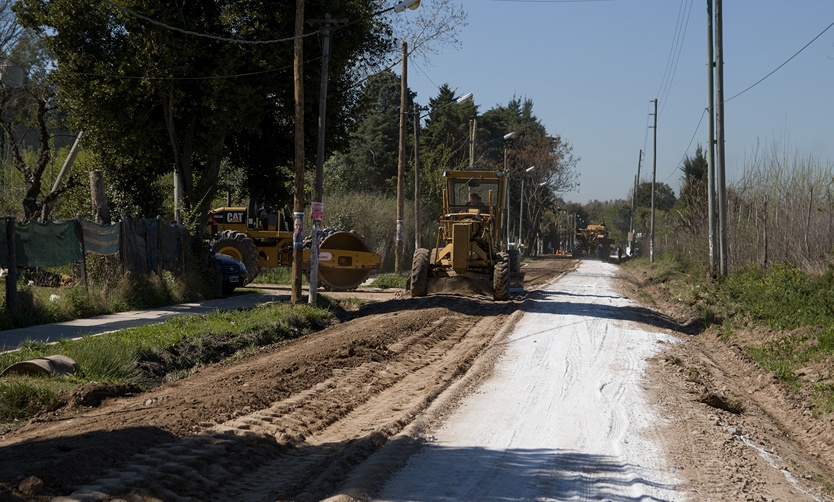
x,y
466,97
411,4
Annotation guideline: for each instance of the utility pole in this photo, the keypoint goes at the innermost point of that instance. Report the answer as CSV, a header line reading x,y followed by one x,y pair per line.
x,y
317,206
473,128
654,179
634,202
719,111
711,140
298,199
398,251
416,109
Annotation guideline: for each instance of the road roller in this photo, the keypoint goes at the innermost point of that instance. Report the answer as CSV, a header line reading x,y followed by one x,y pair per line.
x,y
259,240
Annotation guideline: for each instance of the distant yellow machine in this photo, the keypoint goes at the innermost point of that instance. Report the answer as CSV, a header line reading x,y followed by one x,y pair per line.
x,y
592,240
345,260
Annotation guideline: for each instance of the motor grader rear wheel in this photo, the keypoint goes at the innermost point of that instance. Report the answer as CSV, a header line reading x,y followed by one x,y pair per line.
x,y
501,278
420,272
240,247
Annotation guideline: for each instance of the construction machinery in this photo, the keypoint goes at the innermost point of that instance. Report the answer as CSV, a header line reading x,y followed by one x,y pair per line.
x,y
592,240
255,238
468,251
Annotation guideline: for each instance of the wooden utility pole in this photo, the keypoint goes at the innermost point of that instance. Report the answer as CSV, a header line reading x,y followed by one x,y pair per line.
x,y
719,129
711,140
398,250
473,128
654,180
298,200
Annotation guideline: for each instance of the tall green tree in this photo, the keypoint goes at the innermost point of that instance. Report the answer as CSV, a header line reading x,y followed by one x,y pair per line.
x,y
29,118
163,88
664,198
370,163
444,139
692,207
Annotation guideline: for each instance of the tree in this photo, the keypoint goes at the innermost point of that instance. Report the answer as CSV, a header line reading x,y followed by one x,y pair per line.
x,y
28,117
178,95
692,205
10,29
664,198
444,141
370,162
532,146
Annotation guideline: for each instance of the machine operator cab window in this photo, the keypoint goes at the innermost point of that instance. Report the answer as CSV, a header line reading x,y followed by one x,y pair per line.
x,y
473,196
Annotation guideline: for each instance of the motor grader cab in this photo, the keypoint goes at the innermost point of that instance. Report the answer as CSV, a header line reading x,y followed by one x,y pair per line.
x,y
256,238
467,253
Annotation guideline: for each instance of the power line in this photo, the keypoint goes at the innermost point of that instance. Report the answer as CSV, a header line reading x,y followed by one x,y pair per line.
x,y
697,128
551,1
213,77
781,65
685,25
674,44
236,40
198,34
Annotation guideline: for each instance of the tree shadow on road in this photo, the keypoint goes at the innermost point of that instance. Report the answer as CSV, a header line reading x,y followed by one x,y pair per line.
x,y
547,302
524,474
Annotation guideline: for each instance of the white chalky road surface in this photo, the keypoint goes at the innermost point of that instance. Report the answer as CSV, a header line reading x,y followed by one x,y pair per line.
x,y
563,417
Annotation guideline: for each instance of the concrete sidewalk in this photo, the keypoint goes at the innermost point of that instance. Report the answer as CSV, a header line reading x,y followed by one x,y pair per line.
x,y
11,339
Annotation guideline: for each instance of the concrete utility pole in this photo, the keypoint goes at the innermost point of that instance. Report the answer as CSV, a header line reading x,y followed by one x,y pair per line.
x,y
473,128
711,140
719,111
634,202
654,179
398,250
317,207
416,109
298,199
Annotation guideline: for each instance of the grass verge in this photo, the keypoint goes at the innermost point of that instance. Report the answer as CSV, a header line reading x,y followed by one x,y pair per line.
x,y
140,358
782,316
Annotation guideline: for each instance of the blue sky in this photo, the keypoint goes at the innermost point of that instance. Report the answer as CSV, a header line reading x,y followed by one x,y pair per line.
x,y
592,68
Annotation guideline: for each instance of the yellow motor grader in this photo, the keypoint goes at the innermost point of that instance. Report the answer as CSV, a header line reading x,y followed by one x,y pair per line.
x,y
256,239
468,252
592,240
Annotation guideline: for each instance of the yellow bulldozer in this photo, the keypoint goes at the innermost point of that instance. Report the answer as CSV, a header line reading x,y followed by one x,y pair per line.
x,y
256,239
468,251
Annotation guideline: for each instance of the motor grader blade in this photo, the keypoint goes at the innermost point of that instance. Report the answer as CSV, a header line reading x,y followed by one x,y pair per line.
x,y
460,285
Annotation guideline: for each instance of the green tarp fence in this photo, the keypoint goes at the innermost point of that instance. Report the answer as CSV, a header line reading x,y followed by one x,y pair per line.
x,y
170,242
101,239
143,244
49,244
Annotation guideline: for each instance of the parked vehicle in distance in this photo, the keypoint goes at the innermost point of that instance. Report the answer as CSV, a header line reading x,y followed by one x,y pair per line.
x,y
233,273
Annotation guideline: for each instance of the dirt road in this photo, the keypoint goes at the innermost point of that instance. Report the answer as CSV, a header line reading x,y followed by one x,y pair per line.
x,y
336,413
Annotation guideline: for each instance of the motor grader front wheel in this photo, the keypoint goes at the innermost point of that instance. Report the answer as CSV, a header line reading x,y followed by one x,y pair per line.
x,y
420,272
501,278
240,247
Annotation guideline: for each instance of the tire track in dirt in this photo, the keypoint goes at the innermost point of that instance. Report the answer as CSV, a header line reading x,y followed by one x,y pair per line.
x,y
341,420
